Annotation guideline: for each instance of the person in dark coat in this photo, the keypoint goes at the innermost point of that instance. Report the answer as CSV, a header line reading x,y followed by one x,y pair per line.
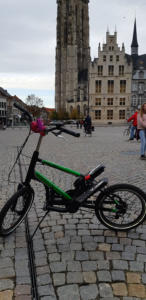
x,y
87,123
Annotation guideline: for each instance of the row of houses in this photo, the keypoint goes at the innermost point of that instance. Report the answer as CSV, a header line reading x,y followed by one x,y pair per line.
x,y
10,115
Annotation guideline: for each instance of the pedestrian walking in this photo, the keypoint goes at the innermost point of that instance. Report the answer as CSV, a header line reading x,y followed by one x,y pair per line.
x,y
133,128
81,123
77,123
141,125
88,125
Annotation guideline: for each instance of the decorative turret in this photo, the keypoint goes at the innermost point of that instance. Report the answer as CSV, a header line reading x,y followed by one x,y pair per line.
x,y
134,45
123,47
99,48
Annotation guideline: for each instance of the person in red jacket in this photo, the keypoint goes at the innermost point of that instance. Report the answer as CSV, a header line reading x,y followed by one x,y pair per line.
x,y
134,125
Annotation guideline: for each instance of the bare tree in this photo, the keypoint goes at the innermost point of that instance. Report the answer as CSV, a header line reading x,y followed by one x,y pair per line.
x,y
34,105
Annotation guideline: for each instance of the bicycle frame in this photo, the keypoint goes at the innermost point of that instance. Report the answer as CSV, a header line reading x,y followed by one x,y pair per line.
x,y
33,174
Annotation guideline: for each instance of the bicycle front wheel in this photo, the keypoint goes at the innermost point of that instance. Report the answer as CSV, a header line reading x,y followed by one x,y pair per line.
x,y
121,207
15,210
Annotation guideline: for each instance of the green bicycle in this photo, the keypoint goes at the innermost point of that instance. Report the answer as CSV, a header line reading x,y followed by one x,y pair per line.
x,y
118,207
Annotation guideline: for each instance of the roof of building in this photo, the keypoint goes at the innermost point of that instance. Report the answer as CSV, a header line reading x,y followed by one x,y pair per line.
x,y
49,109
140,62
4,93
17,99
128,57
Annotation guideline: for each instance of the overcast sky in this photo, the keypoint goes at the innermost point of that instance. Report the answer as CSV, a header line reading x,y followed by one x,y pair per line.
x,y
28,40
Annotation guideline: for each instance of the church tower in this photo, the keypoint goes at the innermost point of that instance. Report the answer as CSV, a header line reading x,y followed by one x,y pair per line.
x,y
134,45
72,55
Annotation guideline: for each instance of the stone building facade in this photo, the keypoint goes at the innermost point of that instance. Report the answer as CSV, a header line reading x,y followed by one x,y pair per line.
x,y
72,55
3,106
9,115
110,83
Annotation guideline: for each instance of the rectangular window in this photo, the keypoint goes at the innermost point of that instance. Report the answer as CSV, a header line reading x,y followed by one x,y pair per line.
x,y
122,86
109,114
117,58
110,70
100,70
134,100
98,114
141,87
121,70
98,101
9,110
110,86
98,86
111,58
110,101
122,114
104,57
122,101
134,87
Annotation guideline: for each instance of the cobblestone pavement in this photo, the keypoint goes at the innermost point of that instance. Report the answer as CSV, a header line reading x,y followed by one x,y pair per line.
x,y
75,256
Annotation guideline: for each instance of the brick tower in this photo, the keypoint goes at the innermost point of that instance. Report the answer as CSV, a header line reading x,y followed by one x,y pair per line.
x,y
72,55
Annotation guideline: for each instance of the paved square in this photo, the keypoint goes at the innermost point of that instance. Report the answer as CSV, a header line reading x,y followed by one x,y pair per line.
x,y
76,257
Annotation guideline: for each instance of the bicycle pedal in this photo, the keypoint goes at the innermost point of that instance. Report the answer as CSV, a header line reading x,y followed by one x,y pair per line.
x,y
84,196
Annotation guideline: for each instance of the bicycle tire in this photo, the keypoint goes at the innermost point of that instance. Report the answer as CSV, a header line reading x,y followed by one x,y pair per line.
x,y
15,208
112,219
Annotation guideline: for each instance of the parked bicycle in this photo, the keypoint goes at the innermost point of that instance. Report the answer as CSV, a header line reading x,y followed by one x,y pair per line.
x,y
118,207
126,131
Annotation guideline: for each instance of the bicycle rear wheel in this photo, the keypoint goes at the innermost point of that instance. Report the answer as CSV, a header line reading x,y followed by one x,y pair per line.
x,y
15,210
121,207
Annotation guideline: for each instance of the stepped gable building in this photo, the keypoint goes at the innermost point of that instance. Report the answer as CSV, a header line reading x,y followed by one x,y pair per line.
x,y
110,83
138,92
72,55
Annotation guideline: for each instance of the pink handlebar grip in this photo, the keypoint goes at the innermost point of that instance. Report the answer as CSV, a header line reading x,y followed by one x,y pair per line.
x,y
38,127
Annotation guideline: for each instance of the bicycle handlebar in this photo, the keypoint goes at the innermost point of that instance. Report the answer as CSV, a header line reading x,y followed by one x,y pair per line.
x,y
38,126
76,134
59,127
27,115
